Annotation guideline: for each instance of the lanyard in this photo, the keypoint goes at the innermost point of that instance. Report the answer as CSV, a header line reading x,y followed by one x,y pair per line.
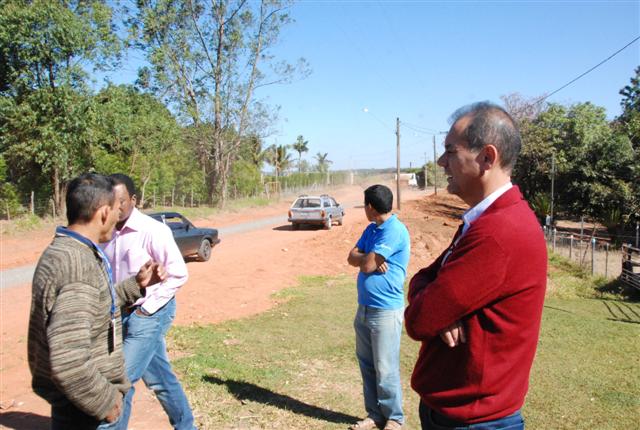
x,y
63,231
453,245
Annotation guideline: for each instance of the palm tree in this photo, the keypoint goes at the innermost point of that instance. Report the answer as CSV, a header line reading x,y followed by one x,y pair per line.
x,y
279,157
323,162
300,146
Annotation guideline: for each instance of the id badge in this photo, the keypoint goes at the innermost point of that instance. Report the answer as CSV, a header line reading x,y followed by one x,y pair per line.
x,y
112,335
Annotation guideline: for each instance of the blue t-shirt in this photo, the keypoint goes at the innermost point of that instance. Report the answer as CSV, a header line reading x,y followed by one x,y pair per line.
x,y
390,240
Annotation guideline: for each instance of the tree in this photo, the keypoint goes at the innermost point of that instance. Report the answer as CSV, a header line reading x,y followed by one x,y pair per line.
x,y
208,59
323,162
300,146
629,124
46,139
279,157
593,164
46,44
45,47
134,132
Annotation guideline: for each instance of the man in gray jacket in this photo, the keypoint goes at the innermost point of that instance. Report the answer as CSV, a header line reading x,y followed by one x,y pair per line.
x,y
75,341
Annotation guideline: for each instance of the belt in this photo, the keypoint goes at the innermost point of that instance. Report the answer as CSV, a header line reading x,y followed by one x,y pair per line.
x,y
128,310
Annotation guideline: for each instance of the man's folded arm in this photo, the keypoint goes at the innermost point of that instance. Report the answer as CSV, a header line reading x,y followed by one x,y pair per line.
x,y
458,290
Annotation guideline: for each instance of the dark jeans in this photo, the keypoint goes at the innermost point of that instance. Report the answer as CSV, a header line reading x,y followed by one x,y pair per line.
x,y
432,420
70,417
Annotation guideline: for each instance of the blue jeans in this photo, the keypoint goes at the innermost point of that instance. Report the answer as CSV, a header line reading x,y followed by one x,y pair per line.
x,y
145,356
378,334
431,420
70,417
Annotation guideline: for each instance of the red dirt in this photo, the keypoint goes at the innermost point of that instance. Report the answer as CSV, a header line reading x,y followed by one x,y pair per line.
x,y
238,281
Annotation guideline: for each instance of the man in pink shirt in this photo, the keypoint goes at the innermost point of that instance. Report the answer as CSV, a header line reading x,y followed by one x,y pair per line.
x,y
137,238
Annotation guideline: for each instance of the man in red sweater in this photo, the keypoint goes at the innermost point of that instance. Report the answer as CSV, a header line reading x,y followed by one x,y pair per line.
x,y
477,308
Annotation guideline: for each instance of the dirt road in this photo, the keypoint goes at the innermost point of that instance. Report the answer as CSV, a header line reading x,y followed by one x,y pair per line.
x,y
250,264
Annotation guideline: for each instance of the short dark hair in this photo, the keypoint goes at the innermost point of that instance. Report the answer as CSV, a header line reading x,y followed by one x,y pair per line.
x,y
122,179
491,125
86,194
379,197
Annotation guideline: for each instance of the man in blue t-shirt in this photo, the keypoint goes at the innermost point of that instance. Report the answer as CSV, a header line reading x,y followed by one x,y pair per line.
x,y
382,255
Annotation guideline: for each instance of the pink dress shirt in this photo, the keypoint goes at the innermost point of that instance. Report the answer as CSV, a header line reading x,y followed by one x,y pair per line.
x,y
143,238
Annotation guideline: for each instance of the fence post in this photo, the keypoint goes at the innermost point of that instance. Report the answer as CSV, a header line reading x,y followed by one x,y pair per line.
x,y
581,226
8,213
191,197
53,208
173,193
554,239
32,206
606,260
637,230
593,256
570,246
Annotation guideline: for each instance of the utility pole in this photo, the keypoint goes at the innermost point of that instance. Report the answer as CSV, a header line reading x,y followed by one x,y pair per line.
x,y
435,167
553,180
426,171
398,162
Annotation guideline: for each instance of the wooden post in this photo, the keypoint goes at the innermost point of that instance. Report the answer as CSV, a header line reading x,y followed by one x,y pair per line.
x,y
593,256
191,197
32,206
8,213
173,193
570,246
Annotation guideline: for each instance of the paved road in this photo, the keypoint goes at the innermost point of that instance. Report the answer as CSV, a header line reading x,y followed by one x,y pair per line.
x,y
24,274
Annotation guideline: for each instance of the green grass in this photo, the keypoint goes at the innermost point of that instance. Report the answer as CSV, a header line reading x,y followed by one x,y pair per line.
x,y
293,367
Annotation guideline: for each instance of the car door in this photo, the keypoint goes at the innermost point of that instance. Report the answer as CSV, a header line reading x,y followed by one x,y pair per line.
x,y
192,236
335,207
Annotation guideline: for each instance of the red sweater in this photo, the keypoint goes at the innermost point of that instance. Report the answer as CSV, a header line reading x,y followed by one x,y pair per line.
x,y
494,282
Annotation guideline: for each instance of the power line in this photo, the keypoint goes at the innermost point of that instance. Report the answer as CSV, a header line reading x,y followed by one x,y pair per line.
x,y
543,98
419,129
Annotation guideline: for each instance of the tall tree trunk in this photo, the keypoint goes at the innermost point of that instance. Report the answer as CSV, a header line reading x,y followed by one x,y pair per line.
x,y
56,191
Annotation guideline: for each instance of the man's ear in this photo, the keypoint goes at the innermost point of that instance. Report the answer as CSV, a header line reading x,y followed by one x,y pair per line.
x,y
103,212
489,156
134,198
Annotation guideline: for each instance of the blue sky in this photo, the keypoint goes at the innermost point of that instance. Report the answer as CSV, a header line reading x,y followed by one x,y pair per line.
x,y
420,61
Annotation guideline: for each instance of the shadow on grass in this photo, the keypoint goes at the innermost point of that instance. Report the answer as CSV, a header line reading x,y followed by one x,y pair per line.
x,y
622,312
24,421
244,391
627,293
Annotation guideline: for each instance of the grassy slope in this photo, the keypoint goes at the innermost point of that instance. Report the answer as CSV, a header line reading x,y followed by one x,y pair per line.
x,y
294,366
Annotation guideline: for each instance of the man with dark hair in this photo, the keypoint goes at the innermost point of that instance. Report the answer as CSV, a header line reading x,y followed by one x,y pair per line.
x,y
75,347
477,308
136,238
382,255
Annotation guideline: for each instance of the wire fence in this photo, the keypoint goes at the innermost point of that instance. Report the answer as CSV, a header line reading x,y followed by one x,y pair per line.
x,y
591,253
270,187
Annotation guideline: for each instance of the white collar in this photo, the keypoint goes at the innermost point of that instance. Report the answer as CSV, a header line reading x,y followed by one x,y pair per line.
x,y
474,213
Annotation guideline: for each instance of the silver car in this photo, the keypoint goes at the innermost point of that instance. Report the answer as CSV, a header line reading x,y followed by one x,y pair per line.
x,y
320,210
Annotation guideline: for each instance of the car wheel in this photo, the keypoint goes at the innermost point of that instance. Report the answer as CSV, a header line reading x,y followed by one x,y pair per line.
x,y
295,226
328,223
340,220
204,252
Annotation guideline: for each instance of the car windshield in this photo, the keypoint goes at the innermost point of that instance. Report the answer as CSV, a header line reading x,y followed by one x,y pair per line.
x,y
174,223
307,203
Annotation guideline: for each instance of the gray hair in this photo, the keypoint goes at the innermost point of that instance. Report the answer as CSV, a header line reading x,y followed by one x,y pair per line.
x,y
491,125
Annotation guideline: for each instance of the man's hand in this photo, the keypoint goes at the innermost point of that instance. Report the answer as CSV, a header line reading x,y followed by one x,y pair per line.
x,y
382,268
115,412
453,335
150,273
